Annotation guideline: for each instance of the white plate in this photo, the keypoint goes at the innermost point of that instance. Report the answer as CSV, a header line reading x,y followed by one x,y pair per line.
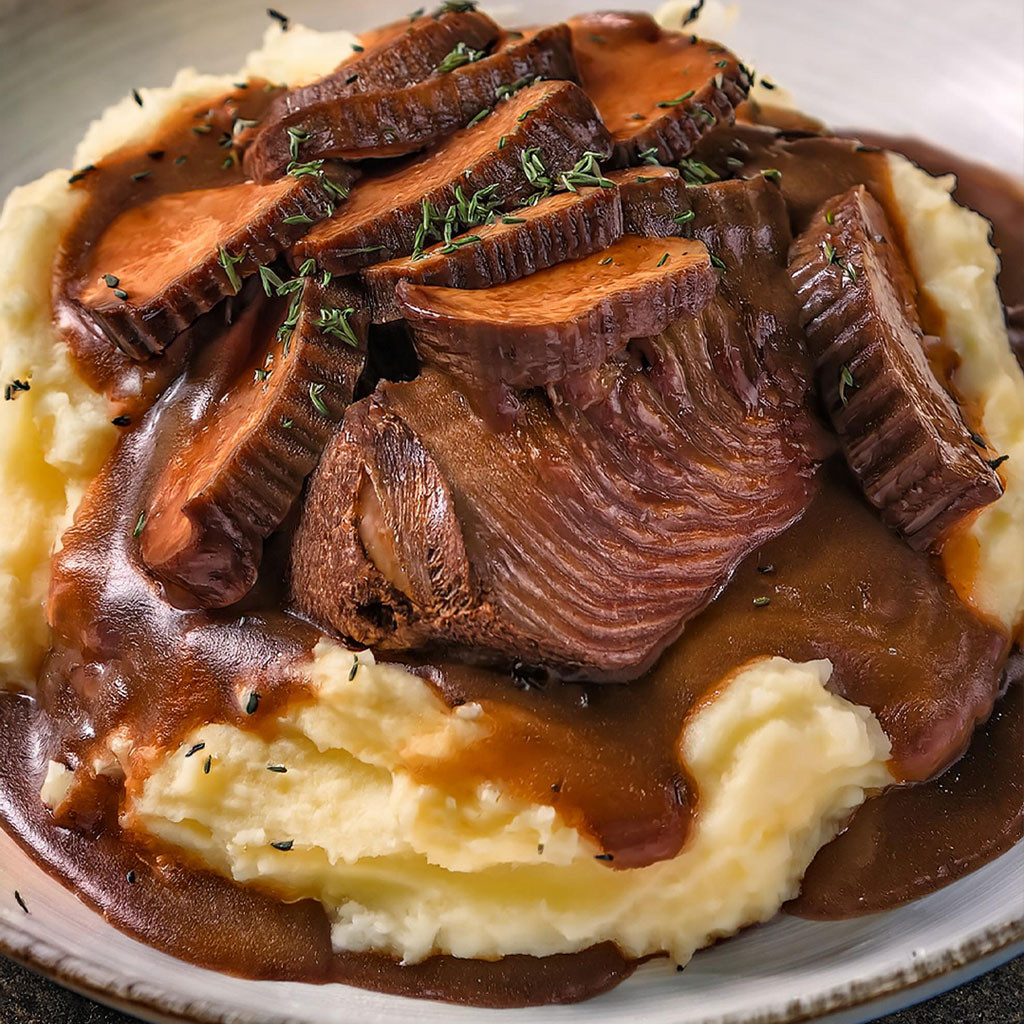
x,y
950,72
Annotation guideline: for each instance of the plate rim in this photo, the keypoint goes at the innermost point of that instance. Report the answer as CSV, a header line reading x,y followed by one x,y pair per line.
x,y
70,970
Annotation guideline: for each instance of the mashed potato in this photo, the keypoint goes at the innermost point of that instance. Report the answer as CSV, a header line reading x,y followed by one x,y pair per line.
x,y
779,762
405,867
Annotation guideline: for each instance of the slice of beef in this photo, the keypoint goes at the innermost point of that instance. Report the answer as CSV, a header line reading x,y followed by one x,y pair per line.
x,y
393,57
159,266
652,200
498,164
559,323
584,536
901,432
396,122
235,479
561,227
658,92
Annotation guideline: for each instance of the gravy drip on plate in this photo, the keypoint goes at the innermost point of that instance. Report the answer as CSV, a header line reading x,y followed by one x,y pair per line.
x,y
130,654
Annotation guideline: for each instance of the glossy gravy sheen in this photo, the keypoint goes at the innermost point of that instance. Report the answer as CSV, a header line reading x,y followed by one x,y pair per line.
x,y
128,653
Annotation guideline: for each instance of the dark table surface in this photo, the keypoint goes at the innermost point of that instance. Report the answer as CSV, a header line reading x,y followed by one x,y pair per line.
x,y
996,998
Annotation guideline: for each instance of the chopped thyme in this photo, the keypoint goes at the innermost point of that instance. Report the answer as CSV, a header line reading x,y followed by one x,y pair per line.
x,y
286,423
121,294
351,79
80,174
706,115
663,260
315,390
996,463
850,272
761,602
479,117
299,218
846,382
354,669
201,129
540,849
679,99
696,172
638,117
456,7
418,13
285,846
179,160
830,217
281,19
513,220
280,769
111,281
502,141
228,264
139,175
122,421
721,63
296,136
20,900
829,252
717,262
586,172
693,13
156,154
136,97
648,156
195,749
362,248
685,217
260,375
130,877
978,440
604,262
270,281
459,56
309,267
208,764
733,163
335,322
16,386
525,114
772,174
604,856
253,703
766,570
767,84
140,524
357,48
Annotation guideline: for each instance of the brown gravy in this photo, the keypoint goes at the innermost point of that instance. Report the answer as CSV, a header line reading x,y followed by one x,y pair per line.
x,y
127,653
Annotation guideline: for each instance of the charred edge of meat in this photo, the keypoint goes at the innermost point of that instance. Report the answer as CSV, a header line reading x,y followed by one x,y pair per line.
x,y
238,475
561,227
400,121
902,433
145,326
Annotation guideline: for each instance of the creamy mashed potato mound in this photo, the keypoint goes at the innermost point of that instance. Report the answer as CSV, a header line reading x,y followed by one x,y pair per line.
x,y
402,866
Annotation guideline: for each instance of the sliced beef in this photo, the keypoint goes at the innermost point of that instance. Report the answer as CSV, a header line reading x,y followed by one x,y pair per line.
x,y
902,433
396,122
233,482
393,57
162,264
496,165
560,323
652,200
578,540
561,227
584,536
658,92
